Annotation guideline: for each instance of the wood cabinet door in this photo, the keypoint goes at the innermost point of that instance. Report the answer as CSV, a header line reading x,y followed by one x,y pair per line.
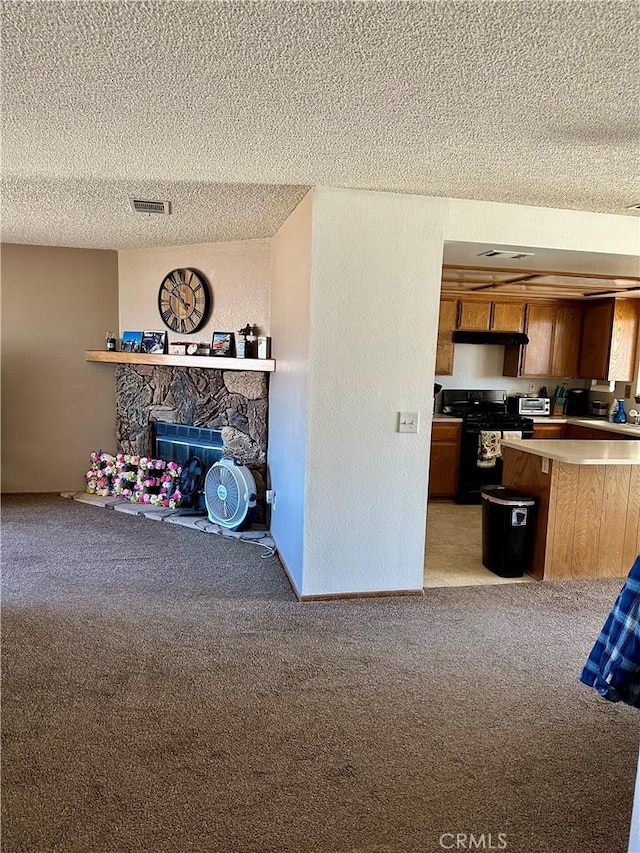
x,y
507,317
565,360
443,469
446,326
596,339
579,432
474,315
443,431
536,360
624,340
549,430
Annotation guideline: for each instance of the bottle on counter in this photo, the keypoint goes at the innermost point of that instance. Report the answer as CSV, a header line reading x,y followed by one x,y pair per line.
x,y
620,416
613,408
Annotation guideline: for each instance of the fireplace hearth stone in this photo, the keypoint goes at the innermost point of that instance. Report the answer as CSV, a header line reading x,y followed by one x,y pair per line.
x,y
234,402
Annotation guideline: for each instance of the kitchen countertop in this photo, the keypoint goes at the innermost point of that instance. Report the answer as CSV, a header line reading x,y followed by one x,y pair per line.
x,y
592,423
580,451
600,423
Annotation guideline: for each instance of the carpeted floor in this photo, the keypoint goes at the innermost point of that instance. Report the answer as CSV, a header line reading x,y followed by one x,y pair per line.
x,y
164,692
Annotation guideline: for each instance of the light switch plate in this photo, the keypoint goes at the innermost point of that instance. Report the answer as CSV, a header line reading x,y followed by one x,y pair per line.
x,y
408,421
545,465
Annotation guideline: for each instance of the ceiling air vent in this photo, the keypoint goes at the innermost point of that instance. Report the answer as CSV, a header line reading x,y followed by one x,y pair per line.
x,y
506,255
139,205
634,207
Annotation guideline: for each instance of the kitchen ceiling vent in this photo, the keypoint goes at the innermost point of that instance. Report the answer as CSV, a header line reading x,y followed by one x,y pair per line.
x,y
634,207
506,255
139,205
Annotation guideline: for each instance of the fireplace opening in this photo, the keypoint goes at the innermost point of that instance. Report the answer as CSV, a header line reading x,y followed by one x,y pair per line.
x,y
177,442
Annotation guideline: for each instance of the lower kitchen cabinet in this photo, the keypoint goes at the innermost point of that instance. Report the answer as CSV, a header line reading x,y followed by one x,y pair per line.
x,y
576,431
445,457
549,430
580,432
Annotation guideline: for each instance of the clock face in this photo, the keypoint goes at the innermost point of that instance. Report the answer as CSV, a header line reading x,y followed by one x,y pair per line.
x,y
184,301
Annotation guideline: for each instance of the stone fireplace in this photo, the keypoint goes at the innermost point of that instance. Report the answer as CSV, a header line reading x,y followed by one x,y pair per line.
x,y
234,402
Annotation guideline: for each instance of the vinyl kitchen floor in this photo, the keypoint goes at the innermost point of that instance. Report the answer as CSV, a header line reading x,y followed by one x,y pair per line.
x,y
453,553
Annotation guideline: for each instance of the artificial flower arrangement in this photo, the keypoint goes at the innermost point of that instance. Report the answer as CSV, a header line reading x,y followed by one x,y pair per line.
x,y
138,479
101,474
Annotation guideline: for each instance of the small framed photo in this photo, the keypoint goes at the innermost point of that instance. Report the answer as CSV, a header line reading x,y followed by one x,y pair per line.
x,y
222,344
131,342
177,349
154,342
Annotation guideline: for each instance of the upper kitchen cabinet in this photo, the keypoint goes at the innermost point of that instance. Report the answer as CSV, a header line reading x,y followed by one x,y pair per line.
x,y
554,342
483,316
507,316
446,327
474,316
609,339
565,353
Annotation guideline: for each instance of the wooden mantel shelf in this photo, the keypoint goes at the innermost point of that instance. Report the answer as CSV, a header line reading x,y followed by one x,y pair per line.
x,y
211,362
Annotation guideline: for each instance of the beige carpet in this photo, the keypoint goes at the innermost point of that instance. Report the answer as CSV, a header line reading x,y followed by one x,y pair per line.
x,y
164,692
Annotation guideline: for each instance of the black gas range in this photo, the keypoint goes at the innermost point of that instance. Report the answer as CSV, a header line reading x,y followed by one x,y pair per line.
x,y
484,421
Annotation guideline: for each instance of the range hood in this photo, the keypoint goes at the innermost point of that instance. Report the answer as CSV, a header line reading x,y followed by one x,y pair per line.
x,y
499,338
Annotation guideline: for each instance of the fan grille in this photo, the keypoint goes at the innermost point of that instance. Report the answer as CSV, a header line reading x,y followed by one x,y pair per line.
x,y
224,502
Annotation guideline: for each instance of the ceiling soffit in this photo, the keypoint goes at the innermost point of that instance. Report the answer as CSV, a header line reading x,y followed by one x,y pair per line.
x,y
500,281
233,110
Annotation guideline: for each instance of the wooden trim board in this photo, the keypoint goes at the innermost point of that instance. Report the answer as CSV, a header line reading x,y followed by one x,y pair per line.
x,y
263,365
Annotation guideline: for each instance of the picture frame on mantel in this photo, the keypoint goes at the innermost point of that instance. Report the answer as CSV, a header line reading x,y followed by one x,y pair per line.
x,y
154,342
131,342
222,345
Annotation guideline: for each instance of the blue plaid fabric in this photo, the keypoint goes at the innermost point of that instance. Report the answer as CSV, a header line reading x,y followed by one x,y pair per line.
x,y
613,668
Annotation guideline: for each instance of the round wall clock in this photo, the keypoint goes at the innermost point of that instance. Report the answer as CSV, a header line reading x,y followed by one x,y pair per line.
x,y
184,300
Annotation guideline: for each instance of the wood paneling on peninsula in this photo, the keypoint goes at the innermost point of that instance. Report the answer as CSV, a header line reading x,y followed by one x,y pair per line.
x,y
588,516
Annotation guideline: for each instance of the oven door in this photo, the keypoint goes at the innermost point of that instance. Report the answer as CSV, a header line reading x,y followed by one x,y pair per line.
x,y
472,478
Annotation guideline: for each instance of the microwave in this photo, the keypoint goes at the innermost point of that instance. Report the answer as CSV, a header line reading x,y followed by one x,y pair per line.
x,y
522,405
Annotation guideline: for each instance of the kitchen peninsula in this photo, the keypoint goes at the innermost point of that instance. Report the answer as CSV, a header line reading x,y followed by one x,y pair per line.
x,y
588,515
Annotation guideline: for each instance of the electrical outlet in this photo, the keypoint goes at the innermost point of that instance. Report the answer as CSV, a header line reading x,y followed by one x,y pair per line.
x,y
532,387
627,391
408,421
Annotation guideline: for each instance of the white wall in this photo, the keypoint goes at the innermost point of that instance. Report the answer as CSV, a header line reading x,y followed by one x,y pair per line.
x,y
287,454
238,273
480,366
516,225
375,286
374,295
56,407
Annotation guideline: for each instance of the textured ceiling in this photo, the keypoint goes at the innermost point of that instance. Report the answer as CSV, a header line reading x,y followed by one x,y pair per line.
x,y
232,110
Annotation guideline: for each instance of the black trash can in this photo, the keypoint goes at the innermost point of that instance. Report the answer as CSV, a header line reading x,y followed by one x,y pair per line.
x,y
508,519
